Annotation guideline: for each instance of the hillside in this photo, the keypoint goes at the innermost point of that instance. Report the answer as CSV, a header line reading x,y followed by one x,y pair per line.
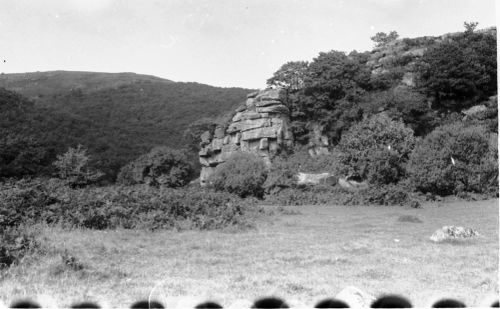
x,y
39,85
117,116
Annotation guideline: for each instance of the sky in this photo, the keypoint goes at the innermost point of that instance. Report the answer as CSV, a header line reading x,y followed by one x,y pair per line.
x,y
227,43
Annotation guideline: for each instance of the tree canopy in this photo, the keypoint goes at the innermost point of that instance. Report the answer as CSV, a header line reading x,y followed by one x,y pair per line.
x,y
460,71
290,76
382,38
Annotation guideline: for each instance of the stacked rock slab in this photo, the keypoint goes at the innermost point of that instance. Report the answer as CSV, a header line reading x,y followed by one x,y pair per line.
x,y
261,126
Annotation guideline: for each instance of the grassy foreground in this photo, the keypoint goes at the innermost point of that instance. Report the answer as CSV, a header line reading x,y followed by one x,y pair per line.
x,y
302,254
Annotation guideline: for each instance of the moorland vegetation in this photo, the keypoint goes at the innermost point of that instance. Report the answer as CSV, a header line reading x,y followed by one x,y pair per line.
x,y
394,117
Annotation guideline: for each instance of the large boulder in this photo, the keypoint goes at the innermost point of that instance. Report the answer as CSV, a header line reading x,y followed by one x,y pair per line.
x,y
352,185
315,179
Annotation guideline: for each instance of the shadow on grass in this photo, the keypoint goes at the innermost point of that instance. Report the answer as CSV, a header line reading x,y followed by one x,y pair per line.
x,y
457,242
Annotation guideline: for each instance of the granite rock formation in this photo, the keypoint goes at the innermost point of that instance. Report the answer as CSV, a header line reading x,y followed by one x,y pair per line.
x,y
260,126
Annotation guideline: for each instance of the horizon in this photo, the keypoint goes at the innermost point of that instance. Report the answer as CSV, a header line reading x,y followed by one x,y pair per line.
x,y
219,43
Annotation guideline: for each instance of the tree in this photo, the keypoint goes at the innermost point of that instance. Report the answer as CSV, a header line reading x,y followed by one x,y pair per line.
x,y
470,26
72,166
335,81
461,71
290,76
161,166
382,38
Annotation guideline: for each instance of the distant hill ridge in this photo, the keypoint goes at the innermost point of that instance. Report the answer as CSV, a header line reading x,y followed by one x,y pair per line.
x,y
38,84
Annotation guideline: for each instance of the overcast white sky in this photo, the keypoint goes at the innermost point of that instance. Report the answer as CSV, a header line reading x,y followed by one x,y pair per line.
x,y
217,42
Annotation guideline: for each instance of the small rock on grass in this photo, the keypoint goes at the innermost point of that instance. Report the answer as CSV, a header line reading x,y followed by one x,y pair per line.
x,y
454,232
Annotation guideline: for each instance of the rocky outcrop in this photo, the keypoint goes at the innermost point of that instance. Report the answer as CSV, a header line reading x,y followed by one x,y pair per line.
x,y
260,126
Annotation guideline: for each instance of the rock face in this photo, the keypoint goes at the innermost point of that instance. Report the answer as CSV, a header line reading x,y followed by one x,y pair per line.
x,y
261,126
453,232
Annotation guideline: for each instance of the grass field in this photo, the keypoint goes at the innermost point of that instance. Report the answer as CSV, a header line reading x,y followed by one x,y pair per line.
x,y
302,254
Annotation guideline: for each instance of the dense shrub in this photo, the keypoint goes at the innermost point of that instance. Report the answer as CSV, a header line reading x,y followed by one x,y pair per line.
x,y
309,195
23,202
118,206
15,243
161,166
385,195
243,174
375,149
455,158
281,175
328,195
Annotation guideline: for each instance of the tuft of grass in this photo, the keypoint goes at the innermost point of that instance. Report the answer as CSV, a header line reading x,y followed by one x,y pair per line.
x,y
409,218
288,211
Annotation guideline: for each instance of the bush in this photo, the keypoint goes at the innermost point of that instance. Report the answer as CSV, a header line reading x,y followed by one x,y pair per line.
x,y
385,195
375,149
243,174
138,206
455,158
285,168
161,166
281,175
23,202
328,195
15,243
310,195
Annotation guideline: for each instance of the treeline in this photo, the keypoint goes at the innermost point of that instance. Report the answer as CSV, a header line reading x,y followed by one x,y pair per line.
x,y
423,81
